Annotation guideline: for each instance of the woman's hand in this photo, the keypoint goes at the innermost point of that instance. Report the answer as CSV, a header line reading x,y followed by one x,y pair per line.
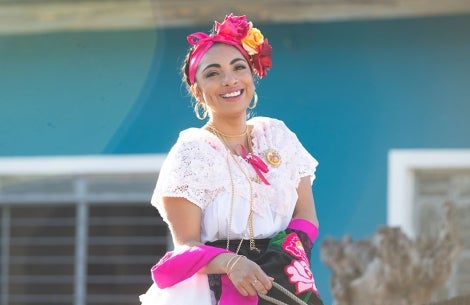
x,y
184,219
247,276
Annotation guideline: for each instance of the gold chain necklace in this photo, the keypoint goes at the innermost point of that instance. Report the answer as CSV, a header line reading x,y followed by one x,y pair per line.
x,y
231,209
215,130
251,213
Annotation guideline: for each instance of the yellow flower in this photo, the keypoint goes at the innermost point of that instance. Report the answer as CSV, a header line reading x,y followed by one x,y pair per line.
x,y
252,40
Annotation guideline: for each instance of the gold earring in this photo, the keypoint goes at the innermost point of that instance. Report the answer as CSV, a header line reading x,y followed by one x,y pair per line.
x,y
255,101
197,111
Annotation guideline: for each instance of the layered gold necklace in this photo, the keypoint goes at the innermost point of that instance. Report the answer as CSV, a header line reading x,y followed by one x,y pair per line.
x,y
250,226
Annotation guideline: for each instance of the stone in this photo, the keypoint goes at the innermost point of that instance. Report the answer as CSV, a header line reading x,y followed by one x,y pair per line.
x,y
389,268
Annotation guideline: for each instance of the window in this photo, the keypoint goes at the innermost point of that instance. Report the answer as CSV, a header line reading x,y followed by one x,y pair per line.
x,y
78,230
420,182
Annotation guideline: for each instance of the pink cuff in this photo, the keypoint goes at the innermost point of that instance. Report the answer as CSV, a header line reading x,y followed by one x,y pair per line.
x,y
176,267
305,226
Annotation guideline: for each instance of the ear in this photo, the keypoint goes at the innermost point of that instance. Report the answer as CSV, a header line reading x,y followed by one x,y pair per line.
x,y
195,91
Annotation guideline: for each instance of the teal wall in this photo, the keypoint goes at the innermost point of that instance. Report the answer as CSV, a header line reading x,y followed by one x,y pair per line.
x,y
350,90
68,93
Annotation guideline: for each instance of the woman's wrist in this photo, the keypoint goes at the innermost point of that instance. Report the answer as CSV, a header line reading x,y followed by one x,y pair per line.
x,y
223,263
229,262
232,262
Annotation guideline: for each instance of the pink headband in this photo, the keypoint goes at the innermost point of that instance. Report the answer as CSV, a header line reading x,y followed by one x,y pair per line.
x,y
238,32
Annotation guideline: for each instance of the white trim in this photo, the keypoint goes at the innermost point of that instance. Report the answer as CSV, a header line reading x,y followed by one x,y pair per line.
x,y
79,165
402,164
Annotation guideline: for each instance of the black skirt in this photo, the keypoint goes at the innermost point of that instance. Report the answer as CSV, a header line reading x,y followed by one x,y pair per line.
x,y
280,257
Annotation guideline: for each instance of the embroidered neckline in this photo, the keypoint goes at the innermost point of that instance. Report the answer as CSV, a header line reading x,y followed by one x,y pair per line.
x,y
246,153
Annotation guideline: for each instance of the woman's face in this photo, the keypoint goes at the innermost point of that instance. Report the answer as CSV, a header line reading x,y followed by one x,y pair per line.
x,y
224,81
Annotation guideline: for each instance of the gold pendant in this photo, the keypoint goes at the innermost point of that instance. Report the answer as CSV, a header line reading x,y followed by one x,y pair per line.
x,y
273,157
256,179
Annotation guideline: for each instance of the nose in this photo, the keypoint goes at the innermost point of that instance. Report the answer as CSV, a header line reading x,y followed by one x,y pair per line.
x,y
230,79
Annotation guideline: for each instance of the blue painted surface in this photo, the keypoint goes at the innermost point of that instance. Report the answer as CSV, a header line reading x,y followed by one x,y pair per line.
x,y
68,93
350,90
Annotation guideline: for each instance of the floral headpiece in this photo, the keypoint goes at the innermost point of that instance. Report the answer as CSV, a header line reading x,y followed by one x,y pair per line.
x,y
238,32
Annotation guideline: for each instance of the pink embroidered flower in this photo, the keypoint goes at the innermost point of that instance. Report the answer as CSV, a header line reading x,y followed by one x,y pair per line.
x,y
234,26
300,275
293,246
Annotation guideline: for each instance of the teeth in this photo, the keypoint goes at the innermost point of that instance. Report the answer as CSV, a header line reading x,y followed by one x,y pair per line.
x,y
233,94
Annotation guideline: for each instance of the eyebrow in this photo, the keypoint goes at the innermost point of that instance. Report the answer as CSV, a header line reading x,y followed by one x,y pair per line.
x,y
218,66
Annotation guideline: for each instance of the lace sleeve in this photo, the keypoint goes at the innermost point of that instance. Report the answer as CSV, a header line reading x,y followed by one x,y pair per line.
x,y
190,171
304,163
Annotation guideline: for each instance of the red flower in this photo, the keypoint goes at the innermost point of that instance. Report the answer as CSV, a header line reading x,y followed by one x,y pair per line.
x,y
262,60
233,26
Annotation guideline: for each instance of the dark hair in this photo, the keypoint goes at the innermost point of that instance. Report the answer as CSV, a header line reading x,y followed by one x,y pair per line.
x,y
185,68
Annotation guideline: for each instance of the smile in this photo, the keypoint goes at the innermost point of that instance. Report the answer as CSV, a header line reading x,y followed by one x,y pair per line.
x,y
233,94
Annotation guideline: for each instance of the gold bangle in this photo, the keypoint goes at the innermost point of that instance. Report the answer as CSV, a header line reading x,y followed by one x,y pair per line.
x,y
230,261
234,263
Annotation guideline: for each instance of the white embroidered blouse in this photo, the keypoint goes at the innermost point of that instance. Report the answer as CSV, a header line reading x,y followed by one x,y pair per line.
x,y
196,169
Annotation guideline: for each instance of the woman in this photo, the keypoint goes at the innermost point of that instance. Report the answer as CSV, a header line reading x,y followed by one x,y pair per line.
x,y
236,193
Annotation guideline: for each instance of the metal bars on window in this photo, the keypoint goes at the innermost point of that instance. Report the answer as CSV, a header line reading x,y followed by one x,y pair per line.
x,y
84,239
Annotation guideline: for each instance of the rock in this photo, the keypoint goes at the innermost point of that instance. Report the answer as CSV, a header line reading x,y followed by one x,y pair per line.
x,y
389,268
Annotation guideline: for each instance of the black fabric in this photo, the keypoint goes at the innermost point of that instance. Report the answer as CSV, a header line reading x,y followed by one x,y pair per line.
x,y
261,244
273,260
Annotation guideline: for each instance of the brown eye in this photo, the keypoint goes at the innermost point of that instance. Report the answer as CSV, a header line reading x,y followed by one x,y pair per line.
x,y
240,67
211,74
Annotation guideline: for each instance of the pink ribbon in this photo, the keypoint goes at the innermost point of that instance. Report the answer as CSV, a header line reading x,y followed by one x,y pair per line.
x,y
202,43
257,163
199,38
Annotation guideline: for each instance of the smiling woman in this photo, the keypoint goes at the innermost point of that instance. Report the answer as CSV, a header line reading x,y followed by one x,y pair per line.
x,y
236,192
224,65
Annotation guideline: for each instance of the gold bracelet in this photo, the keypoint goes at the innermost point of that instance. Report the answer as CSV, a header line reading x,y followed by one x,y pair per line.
x,y
234,263
230,261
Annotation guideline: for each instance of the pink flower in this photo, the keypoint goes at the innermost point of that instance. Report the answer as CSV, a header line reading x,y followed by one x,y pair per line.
x,y
234,26
301,276
293,246
262,60
236,31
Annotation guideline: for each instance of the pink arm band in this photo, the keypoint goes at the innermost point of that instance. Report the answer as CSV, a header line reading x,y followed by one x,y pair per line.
x,y
305,226
175,267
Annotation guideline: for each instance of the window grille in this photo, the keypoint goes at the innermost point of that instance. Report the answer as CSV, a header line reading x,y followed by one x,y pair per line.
x,y
78,239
